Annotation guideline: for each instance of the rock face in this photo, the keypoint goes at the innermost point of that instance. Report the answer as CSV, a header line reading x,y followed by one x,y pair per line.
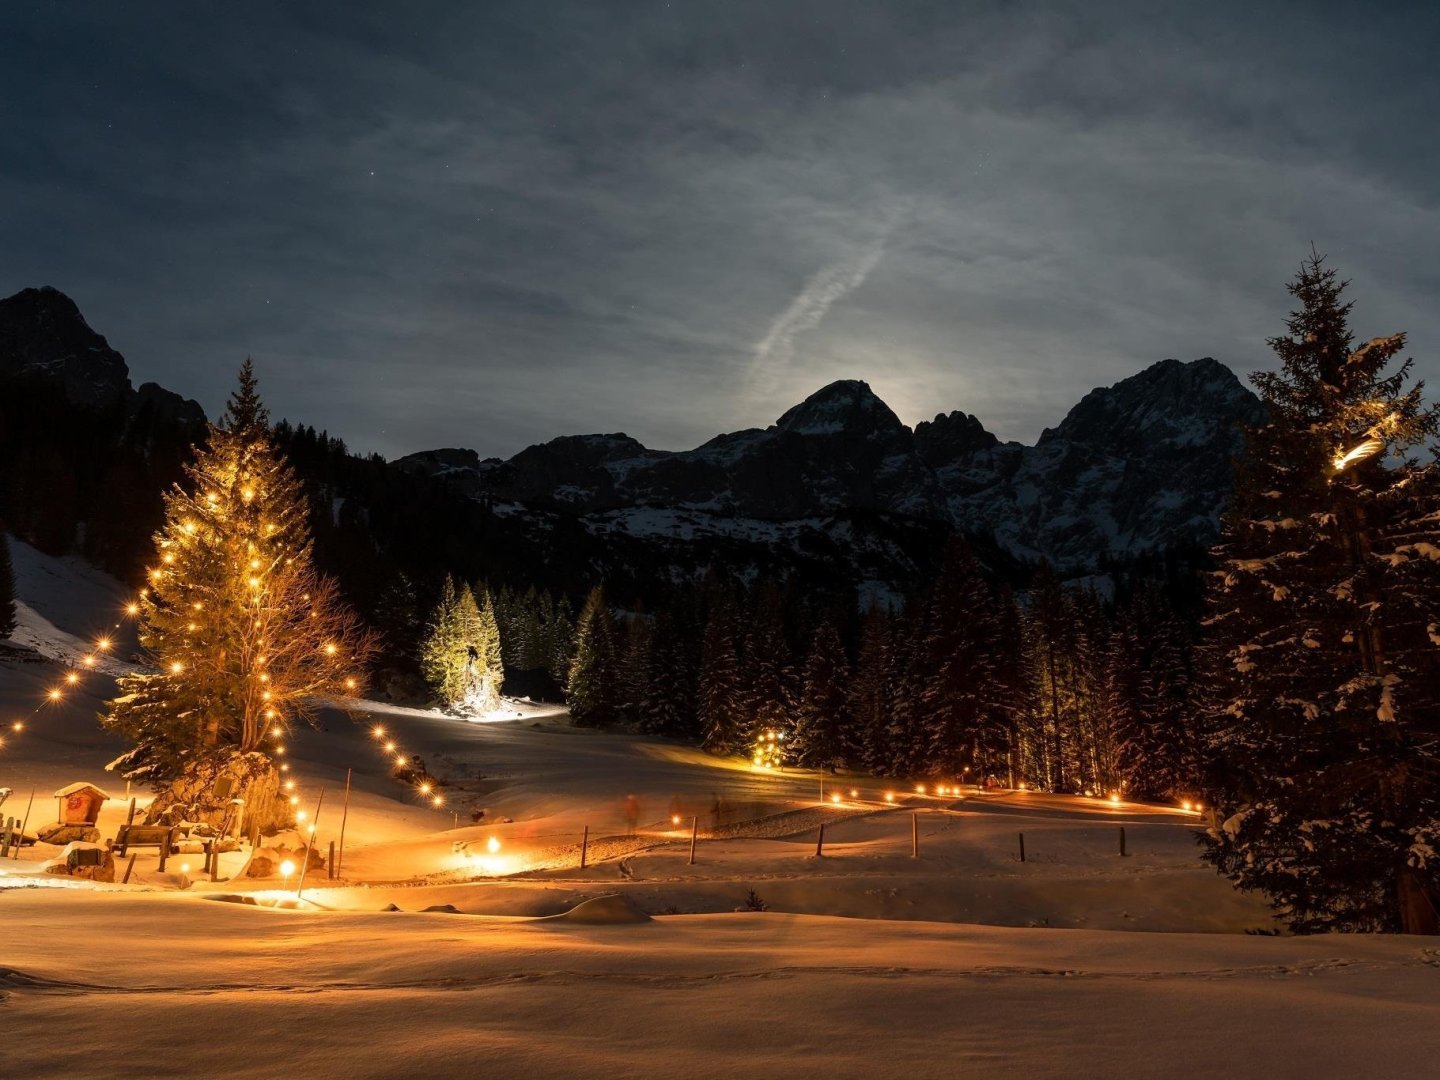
x,y
1143,465
45,339
1139,466
203,794
44,336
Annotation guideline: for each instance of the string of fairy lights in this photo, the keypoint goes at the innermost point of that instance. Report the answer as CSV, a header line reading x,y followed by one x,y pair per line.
x,y
90,663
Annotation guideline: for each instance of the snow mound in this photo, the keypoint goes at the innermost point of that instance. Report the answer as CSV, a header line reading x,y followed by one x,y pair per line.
x,y
612,910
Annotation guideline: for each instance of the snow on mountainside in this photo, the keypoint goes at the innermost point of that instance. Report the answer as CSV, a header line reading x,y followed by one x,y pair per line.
x,y
1142,465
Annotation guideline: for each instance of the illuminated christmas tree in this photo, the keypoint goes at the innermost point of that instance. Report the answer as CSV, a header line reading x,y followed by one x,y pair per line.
x,y
244,636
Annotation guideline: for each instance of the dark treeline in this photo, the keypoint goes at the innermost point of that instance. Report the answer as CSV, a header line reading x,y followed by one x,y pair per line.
x,y
1060,689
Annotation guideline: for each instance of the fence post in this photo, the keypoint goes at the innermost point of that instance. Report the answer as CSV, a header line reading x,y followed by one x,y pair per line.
x,y
128,868
820,840
1122,841
1022,847
584,846
694,831
914,835
331,863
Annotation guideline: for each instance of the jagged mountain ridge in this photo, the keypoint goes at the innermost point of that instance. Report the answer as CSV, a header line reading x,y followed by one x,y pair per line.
x,y
1140,466
837,495
44,339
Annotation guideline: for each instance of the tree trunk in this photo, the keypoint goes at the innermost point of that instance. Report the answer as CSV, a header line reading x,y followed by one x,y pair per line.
x,y
1416,903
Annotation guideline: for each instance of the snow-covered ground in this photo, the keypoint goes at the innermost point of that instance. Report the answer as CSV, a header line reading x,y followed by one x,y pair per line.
x,y
868,962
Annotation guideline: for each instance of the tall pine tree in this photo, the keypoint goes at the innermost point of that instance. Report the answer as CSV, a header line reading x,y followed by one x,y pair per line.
x,y
1324,636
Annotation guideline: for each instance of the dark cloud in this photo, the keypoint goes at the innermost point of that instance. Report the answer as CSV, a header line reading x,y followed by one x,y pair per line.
x,y
489,224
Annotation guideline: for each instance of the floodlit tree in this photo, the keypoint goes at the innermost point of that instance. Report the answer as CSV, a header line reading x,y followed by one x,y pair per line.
x,y
1324,636
244,637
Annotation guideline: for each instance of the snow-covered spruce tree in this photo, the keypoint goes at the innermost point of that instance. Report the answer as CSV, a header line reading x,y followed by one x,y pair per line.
x,y
719,694
957,649
593,685
871,693
445,651
560,640
1324,636
487,667
769,684
243,635
1050,633
821,719
7,588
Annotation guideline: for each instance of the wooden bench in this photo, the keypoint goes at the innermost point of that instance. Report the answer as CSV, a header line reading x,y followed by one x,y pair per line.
x,y
156,836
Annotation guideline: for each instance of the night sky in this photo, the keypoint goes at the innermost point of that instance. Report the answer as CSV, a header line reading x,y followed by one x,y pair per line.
x,y
486,224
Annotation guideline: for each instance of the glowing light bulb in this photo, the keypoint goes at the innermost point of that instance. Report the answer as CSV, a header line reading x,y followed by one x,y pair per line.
x,y
88,661
349,684
176,668
492,845
184,867
254,564
399,759
247,494
276,732
280,751
390,748
889,796
438,800
330,649
103,644
132,609
168,557
674,819
289,785
1114,798
854,794
835,798
19,725
378,732
424,789
72,678
54,695
287,868
300,815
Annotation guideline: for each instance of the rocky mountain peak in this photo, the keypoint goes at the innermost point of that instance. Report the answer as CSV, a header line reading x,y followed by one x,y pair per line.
x,y
950,437
44,336
845,406
1175,402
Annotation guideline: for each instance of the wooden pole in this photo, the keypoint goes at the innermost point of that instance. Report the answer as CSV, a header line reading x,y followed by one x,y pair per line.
x,y
820,841
344,816
5,837
584,846
309,840
330,863
165,846
1022,847
129,867
215,859
694,831
25,824
914,835
1122,841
